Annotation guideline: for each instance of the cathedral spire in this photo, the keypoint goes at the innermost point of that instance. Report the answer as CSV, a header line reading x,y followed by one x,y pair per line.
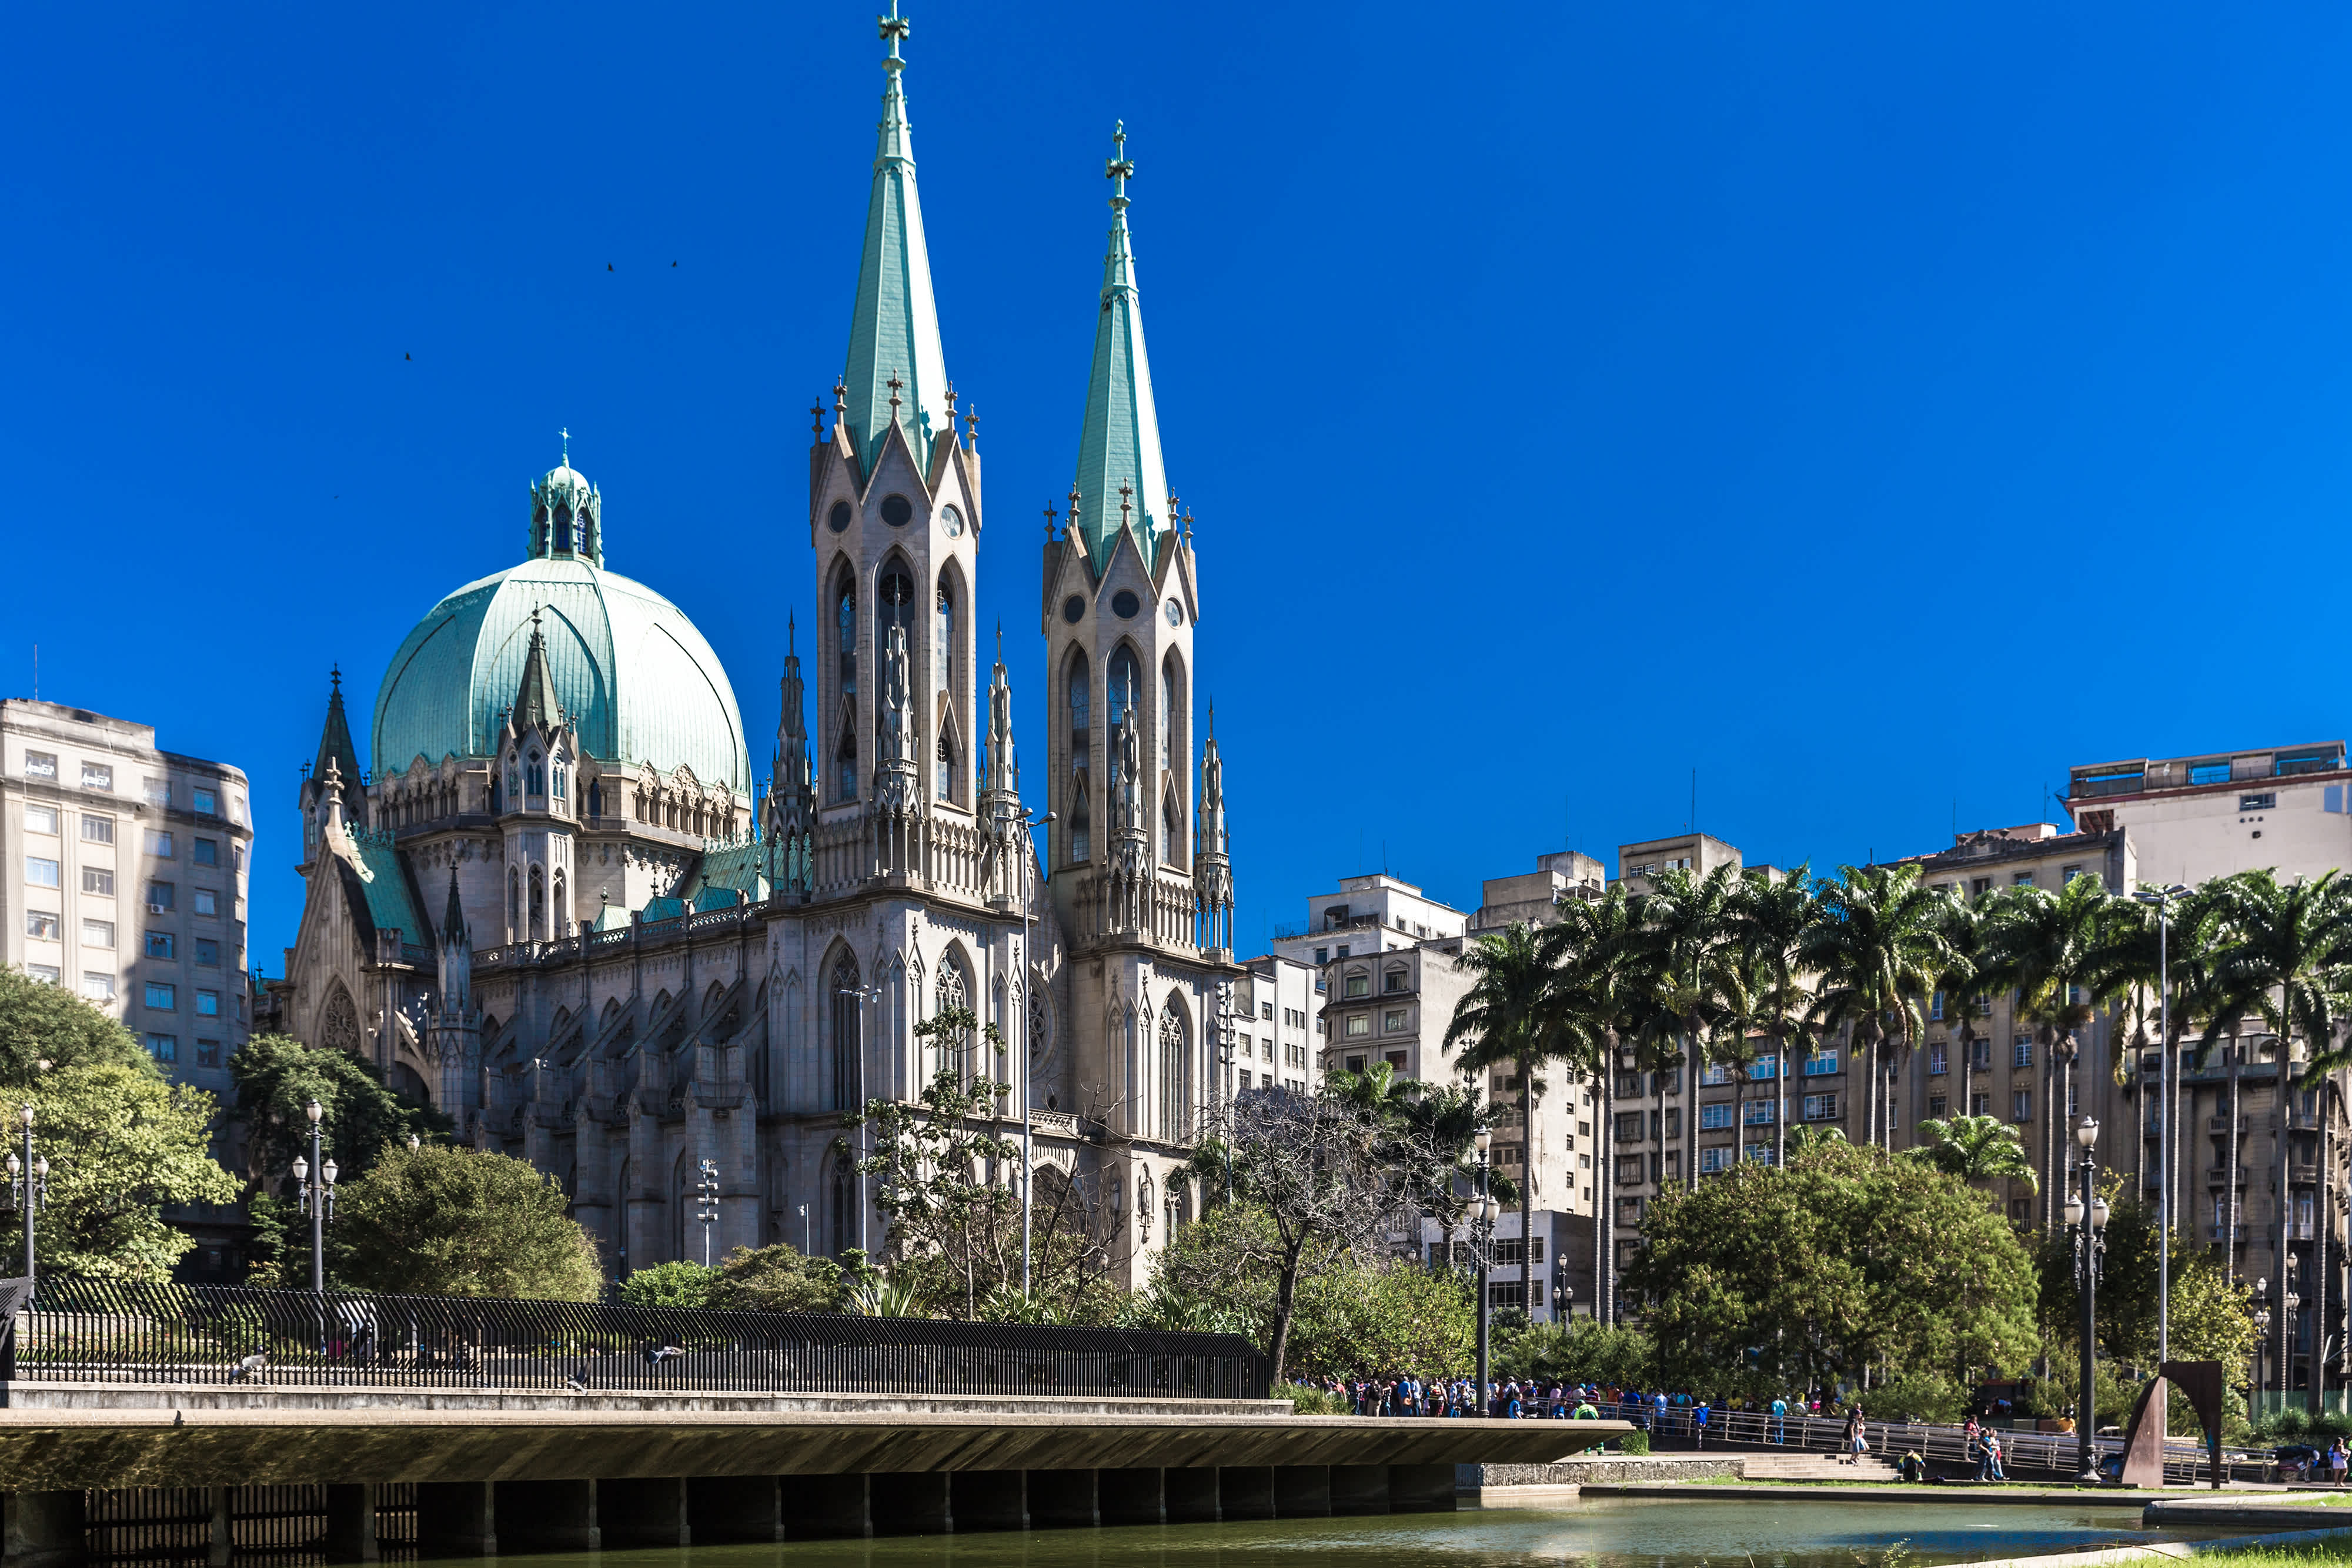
x,y
535,701
335,746
894,333
453,915
1212,867
1119,442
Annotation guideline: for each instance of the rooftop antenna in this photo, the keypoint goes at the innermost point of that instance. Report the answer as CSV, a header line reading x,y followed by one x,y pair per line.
x,y
37,672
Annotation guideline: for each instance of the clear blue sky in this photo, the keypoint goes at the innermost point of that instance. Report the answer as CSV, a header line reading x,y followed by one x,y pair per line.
x,y
1877,409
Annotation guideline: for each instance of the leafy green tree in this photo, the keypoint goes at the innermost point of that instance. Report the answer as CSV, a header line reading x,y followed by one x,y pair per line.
x,y
121,1142
1850,1259
676,1283
780,1279
1581,1351
1974,1149
932,1161
360,1117
443,1221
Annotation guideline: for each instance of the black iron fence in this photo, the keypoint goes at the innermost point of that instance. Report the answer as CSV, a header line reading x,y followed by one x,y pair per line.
x,y
105,1331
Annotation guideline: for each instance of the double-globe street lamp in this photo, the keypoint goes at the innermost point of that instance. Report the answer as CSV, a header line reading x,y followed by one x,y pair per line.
x,y
2087,1218
29,1183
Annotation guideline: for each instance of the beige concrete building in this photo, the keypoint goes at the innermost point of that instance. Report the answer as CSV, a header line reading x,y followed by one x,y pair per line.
x,y
122,874
1272,1029
1536,896
2194,818
1368,914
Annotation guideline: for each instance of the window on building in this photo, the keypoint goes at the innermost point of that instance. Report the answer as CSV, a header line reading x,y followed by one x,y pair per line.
x,y
207,902
207,951
1980,1055
2020,1051
162,996
47,973
1629,1169
1392,980
1937,1063
98,775
2021,1210
39,871
1392,1022
1823,1061
1759,1154
1820,1107
159,944
209,1004
1979,1104
1980,884
1936,1104
1674,1120
205,851
98,933
1343,949
205,801
2069,872
1358,1024
163,1047
41,820
209,1053
1767,1066
1714,1072
2021,1105
1711,1160
97,829
1711,1117
159,843
1358,984
2267,802
159,791
1322,954
1759,1113
2021,878
1673,1165
1629,1127
40,765
162,897
97,988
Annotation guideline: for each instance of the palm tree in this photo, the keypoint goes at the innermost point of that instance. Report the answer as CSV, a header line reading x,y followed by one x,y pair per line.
x,y
1877,947
1958,986
2286,958
1513,1015
1768,923
2052,948
1606,996
1684,924
1974,1149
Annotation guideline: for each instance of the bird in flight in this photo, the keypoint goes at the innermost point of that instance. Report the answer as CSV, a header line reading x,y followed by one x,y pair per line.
x,y
250,1365
408,356
657,1354
574,1384
608,266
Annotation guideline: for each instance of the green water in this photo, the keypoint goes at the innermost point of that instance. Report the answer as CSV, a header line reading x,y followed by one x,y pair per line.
x,y
1662,1533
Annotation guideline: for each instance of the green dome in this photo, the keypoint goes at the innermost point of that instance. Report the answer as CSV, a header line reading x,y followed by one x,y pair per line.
x,y
633,676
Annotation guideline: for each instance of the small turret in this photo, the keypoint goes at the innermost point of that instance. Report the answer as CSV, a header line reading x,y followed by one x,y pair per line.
x,y
457,956
1213,873
791,787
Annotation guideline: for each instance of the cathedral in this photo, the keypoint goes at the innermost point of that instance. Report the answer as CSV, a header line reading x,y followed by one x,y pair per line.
x,y
559,910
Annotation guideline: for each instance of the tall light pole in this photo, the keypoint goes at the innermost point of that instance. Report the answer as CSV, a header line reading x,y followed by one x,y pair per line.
x,y
864,994
2262,1338
2162,898
705,1202
1483,1210
29,1183
318,1199
2086,1217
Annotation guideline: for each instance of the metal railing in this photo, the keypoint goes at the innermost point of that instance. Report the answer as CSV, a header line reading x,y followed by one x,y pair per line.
x,y
104,1330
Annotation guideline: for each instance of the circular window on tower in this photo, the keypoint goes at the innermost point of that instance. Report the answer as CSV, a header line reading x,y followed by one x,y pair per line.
x,y
951,521
1074,609
1175,613
838,518
1124,604
898,511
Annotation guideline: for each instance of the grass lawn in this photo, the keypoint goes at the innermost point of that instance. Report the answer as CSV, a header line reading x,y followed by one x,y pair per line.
x,y
2308,1555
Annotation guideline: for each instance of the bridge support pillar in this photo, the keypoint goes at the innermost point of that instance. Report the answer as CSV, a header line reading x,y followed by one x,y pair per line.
x,y
1360,1488
910,1503
1302,1491
1059,1498
548,1516
989,1499
1129,1497
350,1525
1421,1488
634,1513
457,1518
825,1508
41,1529
1246,1491
735,1507
1192,1496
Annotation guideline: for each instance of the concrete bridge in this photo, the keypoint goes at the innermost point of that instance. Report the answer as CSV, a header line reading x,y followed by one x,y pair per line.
x,y
502,1473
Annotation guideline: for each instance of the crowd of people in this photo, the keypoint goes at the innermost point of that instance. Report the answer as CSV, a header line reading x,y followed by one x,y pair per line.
x,y
1658,1411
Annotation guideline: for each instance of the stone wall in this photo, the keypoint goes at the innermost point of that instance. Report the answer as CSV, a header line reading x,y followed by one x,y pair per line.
x,y
1601,1468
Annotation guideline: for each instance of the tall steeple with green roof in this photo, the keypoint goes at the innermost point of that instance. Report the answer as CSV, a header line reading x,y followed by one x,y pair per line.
x,y
1122,482
894,334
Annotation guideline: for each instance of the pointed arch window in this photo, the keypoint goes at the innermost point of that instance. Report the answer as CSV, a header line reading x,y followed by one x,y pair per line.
x,y
946,790
950,996
943,638
563,526
1123,688
845,751
1079,685
1171,1077
849,1040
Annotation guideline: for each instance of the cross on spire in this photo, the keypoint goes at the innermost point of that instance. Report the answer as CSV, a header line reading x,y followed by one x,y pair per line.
x,y
1119,168
565,434
894,383
1050,515
816,418
894,28
1126,504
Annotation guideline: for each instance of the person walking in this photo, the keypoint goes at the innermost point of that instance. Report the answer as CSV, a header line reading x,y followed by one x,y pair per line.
x,y
1698,1423
1857,1436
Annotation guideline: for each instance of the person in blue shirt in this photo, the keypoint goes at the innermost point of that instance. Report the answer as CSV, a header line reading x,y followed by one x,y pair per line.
x,y
1779,1419
1698,1423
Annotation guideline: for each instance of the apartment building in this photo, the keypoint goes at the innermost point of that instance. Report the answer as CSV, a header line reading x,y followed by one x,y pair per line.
x,y
1368,914
2194,818
123,874
1271,1029
1535,897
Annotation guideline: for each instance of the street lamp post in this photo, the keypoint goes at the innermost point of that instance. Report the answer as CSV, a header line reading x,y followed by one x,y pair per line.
x,y
705,1202
1483,1210
2162,898
318,1199
1563,1294
2263,1334
28,1185
1027,825
2290,1303
2086,1217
